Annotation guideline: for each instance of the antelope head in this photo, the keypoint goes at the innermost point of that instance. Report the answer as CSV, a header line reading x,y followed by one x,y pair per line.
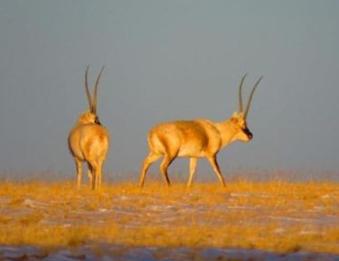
x,y
91,116
238,119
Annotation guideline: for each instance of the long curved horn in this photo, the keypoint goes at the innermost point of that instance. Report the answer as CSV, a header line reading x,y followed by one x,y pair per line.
x,y
251,96
96,90
240,93
87,90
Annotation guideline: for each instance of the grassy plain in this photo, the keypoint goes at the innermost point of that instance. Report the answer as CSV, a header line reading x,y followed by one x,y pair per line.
x,y
275,216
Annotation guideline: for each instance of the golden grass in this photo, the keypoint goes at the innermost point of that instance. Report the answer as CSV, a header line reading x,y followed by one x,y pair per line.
x,y
275,216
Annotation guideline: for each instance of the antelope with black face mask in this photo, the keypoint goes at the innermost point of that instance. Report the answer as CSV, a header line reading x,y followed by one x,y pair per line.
x,y
196,139
88,140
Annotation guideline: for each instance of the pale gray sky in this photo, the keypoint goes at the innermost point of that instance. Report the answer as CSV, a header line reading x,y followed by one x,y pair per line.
x,y
170,60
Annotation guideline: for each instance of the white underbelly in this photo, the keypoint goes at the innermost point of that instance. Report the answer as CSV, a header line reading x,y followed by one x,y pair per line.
x,y
191,151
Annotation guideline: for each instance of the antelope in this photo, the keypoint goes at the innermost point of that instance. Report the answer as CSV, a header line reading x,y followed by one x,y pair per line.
x,y
197,139
88,141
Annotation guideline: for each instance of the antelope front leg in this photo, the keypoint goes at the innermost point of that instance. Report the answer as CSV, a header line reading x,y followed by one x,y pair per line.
x,y
94,179
193,166
78,166
215,166
90,177
97,180
94,175
99,175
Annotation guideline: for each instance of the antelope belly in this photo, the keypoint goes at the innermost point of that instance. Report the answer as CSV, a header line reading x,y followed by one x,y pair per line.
x,y
191,150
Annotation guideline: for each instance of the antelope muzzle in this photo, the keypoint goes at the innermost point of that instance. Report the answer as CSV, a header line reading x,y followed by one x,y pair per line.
x,y
248,133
